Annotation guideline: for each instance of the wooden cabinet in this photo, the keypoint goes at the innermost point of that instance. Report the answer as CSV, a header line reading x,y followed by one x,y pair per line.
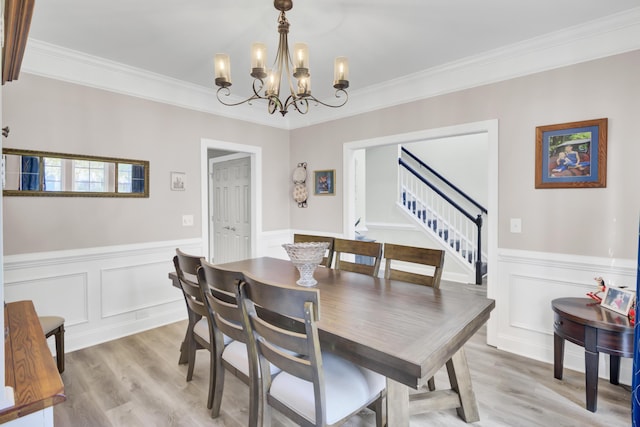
x,y
17,20
29,367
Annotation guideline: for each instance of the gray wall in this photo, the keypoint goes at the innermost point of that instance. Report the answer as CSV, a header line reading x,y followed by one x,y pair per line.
x,y
595,222
51,115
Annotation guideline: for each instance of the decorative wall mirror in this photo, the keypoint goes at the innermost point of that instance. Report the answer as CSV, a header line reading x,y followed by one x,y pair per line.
x,y
40,173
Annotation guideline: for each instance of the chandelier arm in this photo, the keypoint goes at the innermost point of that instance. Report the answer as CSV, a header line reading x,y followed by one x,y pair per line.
x,y
226,92
337,95
301,105
258,85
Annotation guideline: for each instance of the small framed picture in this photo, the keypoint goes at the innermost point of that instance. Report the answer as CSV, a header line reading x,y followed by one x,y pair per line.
x,y
618,300
178,181
324,182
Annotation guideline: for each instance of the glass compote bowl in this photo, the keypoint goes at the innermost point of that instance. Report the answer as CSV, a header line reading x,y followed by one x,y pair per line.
x,y
306,257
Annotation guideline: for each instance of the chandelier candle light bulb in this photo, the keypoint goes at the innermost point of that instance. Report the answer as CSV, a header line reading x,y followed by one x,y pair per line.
x,y
304,86
341,73
223,69
258,60
301,59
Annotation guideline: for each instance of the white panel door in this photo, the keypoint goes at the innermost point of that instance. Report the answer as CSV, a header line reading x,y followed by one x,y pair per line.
x,y
231,210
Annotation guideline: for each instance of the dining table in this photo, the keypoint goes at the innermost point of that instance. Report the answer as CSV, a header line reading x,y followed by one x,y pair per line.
x,y
403,331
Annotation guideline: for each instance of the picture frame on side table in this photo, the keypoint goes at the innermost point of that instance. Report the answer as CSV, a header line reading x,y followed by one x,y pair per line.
x,y
618,300
572,155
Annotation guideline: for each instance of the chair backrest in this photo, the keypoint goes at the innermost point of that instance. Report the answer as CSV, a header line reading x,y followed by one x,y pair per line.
x,y
292,346
219,288
424,256
304,238
372,250
186,270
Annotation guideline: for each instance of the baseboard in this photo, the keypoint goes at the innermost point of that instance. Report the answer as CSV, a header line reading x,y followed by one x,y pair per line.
x,y
99,335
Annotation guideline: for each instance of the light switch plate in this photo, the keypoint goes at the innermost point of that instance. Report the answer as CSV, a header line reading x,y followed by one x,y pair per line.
x,y
516,225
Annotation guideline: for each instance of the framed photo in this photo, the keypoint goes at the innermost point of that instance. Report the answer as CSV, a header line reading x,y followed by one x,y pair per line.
x,y
324,182
178,181
572,155
618,300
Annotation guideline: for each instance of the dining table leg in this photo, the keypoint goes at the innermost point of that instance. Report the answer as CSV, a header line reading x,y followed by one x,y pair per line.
x,y
460,379
397,404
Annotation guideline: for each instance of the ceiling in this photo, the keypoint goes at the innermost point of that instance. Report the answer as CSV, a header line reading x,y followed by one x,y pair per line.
x,y
384,40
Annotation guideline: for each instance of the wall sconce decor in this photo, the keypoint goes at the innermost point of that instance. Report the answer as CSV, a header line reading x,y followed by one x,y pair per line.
x,y
300,193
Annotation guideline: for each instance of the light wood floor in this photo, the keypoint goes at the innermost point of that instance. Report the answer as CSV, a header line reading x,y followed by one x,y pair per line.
x,y
136,381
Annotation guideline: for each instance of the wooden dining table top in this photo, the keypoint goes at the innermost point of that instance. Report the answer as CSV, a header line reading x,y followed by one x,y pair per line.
x,y
401,330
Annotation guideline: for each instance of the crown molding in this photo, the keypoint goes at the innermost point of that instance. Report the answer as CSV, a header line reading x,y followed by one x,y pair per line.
x,y
52,61
612,35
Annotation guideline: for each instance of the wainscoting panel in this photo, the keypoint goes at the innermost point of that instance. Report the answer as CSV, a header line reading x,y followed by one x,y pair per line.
x,y
110,292
526,284
54,294
135,287
103,293
270,243
530,291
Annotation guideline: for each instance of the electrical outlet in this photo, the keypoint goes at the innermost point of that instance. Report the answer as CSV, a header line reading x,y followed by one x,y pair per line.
x,y
516,225
187,220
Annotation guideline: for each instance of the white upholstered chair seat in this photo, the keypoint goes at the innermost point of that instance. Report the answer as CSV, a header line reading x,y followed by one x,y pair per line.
x,y
201,328
348,387
237,356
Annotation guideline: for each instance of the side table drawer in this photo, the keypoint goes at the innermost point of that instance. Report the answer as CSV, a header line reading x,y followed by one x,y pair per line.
x,y
569,330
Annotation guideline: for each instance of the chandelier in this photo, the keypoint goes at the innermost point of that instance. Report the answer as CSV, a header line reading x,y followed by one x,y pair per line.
x,y
299,95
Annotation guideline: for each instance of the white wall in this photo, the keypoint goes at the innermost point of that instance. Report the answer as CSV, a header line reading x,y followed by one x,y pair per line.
x,y
105,293
460,159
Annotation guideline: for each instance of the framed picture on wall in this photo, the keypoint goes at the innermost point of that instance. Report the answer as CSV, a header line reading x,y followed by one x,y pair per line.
x,y
178,181
572,155
324,182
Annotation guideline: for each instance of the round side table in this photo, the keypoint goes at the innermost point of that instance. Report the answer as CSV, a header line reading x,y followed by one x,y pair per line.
x,y
583,322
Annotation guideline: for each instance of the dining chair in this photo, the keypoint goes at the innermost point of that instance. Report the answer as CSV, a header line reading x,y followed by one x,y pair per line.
x,y
219,290
54,325
370,251
327,260
198,335
315,387
431,258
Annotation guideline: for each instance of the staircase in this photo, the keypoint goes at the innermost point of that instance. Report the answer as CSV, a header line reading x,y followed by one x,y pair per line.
x,y
443,211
